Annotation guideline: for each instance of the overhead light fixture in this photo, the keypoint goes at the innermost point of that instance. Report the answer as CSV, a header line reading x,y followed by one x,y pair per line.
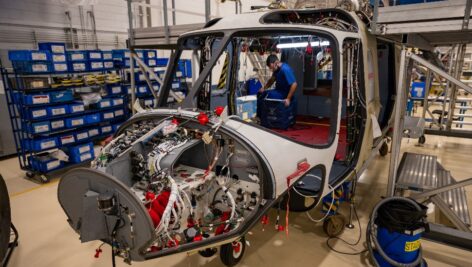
x,y
303,44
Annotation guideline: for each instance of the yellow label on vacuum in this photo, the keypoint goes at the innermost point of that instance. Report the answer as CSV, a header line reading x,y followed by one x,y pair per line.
x,y
412,246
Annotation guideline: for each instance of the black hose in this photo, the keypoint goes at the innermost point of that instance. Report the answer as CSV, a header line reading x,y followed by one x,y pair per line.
x,y
369,239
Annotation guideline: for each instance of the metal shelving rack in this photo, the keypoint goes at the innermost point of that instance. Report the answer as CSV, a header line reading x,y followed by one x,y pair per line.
x,y
19,119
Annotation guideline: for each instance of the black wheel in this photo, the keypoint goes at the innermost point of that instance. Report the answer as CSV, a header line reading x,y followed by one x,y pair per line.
x,y
232,253
334,225
208,252
30,175
5,218
383,149
422,140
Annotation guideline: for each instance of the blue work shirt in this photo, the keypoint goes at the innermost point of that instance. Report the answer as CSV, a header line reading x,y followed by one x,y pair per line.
x,y
284,78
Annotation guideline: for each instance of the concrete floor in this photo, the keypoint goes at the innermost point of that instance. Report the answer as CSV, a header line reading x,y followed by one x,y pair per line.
x,y
47,240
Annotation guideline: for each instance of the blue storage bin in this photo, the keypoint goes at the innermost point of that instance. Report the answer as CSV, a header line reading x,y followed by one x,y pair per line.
x,y
79,66
104,103
60,67
417,89
59,58
127,63
151,62
116,126
57,110
107,115
119,113
108,64
114,89
148,102
37,113
66,139
106,129
53,47
42,143
162,62
29,55
80,149
37,99
92,118
32,66
107,55
143,90
45,163
81,135
117,101
94,55
61,96
150,54
57,124
120,54
92,132
75,122
40,127
82,157
77,55
76,107
95,65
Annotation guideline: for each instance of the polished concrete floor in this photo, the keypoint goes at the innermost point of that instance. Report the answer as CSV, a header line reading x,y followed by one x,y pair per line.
x,y
47,240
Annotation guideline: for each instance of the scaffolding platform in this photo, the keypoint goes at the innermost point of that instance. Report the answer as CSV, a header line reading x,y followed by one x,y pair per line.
x,y
162,37
430,24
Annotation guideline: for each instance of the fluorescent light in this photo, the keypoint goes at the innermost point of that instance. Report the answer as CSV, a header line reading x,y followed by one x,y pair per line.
x,y
302,44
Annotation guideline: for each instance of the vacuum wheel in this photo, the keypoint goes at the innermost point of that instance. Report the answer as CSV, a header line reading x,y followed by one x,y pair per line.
x,y
206,253
422,140
232,253
334,225
383,149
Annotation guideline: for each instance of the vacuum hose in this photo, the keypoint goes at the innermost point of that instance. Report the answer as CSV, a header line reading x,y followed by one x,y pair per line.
x,y
378,248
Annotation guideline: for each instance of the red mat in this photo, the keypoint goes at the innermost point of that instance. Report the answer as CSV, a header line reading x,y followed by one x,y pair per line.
x,y
315,131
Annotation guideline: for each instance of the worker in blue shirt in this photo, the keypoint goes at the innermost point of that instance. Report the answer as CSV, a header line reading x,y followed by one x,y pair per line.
x,y
285,82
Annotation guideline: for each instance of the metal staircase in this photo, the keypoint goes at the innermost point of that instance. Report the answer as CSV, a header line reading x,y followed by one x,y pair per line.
x,y
259,65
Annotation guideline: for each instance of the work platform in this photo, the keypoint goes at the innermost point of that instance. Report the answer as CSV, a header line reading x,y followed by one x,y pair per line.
x,y
162,37
433,23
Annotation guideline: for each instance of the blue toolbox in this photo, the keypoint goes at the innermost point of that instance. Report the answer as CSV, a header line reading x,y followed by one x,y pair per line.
x,y
92,118
81,135
75,122
57,124
76,107
57,110
66,139
61,96
40,127
59,48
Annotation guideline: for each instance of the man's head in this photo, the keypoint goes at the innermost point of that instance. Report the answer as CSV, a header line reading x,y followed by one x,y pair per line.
x,y
272,62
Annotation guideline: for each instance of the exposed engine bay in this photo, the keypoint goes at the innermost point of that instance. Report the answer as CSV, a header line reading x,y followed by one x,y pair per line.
x,y
194,182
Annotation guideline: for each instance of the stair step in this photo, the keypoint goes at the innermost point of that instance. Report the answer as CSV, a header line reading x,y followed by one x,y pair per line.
x,y
457,198
417,172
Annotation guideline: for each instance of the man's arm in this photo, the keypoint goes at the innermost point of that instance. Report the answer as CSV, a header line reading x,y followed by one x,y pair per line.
x,y
293,88
268,84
